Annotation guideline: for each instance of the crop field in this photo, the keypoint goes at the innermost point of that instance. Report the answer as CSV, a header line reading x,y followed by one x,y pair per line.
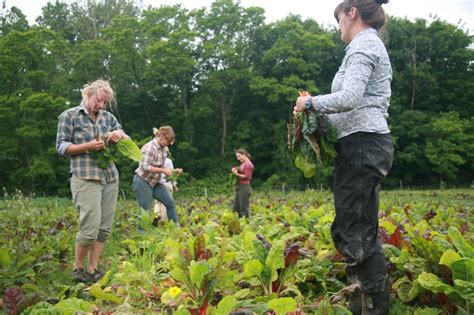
x,y
280,261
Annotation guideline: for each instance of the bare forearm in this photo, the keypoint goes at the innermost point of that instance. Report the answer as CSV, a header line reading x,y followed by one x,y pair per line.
x,y
74,149
157,170
93,145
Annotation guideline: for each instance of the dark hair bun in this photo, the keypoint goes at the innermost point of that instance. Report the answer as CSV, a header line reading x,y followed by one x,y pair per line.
x,y
381,1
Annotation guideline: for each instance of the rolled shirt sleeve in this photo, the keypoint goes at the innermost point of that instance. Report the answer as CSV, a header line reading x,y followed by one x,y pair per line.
x,y
64,134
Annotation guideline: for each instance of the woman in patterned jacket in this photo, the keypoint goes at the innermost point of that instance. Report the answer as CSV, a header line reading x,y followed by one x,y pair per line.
x,y
358,109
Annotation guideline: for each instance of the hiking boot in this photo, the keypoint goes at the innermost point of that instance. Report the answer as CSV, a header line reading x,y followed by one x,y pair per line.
x,y
377,303
79,275
355,302
95,276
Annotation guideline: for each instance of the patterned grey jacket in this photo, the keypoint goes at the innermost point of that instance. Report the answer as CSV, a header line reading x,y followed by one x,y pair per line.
x,y
360,91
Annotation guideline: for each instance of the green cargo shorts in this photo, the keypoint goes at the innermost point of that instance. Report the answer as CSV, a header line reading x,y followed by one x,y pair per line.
x,y
96,203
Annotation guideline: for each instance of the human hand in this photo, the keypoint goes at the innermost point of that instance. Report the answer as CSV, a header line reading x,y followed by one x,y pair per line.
x,y
115,136
95,145
166,171
300,104
304,93
235,171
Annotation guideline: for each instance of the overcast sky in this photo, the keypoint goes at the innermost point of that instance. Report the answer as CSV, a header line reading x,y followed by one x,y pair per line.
x,y
453,11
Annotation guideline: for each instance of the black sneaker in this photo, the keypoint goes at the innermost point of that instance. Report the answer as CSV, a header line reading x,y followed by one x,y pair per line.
x,y
79,275
95,276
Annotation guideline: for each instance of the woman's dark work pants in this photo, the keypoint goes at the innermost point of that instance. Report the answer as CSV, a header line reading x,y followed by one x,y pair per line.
x,y
242,200
363,160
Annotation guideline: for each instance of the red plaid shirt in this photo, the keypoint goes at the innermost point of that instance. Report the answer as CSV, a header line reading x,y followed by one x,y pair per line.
x,y
247,169
153,155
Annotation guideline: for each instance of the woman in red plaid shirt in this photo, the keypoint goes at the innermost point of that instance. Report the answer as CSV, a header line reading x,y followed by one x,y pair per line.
x,y
146,182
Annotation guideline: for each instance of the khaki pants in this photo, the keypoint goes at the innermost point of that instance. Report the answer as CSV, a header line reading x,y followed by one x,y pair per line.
x,y
96,205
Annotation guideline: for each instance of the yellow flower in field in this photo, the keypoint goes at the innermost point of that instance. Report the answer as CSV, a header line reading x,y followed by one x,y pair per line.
x,y
174,291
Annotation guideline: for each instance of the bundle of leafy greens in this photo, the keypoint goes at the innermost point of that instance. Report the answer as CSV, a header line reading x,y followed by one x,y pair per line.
x,y
311,139
125,147
233,180
178,174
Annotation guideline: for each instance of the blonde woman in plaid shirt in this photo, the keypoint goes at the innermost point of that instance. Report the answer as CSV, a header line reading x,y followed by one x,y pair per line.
x,y
94,190
146,182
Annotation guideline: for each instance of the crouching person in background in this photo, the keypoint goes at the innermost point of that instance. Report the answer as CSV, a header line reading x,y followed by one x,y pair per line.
x,y
146,182
81,130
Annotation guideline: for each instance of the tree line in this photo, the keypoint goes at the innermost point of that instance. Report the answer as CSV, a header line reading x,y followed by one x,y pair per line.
x,y
224,79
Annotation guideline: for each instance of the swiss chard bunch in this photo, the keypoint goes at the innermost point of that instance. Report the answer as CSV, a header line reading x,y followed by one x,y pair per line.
x,y
109,153
272,266
311,139
233,180
201,272
457,283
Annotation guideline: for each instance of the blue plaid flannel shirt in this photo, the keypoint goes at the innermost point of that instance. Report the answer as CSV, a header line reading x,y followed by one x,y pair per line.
x,y
76,127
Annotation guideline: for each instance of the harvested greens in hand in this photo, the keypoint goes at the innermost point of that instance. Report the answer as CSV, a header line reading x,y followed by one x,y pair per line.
x,y
126,147
312,140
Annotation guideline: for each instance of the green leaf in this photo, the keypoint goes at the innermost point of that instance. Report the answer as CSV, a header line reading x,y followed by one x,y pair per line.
x,y
310,122
415,289
248,238
99,294
266,275
5,260
261,251
73,306
242,294
449,257
463,269
226,305
282,306
41,308
129,149
466,250
105,279
252,268
308,168
432,283
276,259
465,289
25,261
428,311
179,275
406,289
197,272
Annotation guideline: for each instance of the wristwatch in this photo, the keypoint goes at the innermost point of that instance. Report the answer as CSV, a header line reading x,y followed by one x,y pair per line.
x,y
309,103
